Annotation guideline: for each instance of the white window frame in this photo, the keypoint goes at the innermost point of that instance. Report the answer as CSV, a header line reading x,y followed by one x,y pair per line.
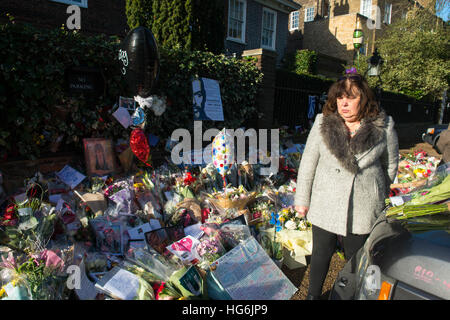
x,y
274,34
244,17
291,20
312,15
387,8
81,3
366,8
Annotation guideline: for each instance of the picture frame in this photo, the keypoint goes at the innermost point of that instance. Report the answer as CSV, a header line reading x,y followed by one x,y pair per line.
x,y
159,239
127,103
99,156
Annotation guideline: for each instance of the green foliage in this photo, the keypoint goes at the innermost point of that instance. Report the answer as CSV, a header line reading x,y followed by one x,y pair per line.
x,y
32,65
239,84
189,24
208,26
302,62
417,56
139,13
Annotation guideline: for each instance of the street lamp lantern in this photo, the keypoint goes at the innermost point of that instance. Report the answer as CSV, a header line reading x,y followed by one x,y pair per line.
x,y
375,63
358,35
358,38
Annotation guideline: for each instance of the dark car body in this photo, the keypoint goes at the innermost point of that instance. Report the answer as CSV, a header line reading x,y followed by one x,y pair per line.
x,y
413,266
431,136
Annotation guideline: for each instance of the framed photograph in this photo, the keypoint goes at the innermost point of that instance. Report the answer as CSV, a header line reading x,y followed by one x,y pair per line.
x,y
108,236
127,103
99,156
159,239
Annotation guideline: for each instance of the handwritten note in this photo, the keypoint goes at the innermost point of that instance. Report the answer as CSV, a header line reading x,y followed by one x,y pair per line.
x,y
70,176
120,284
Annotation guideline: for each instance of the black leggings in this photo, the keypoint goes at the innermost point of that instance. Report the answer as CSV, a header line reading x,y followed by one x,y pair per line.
x,y
324,246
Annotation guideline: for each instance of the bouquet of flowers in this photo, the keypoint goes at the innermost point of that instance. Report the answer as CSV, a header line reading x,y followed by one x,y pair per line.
x,y
144,190
427,210
231,198
232,235
209,250
292,221
414,167
34,277
31,234
260,210
121,193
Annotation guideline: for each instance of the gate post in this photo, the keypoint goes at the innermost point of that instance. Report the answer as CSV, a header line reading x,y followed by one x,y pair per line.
x,y
265,100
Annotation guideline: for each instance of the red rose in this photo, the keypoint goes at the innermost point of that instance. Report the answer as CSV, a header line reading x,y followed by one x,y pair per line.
x,y
205,214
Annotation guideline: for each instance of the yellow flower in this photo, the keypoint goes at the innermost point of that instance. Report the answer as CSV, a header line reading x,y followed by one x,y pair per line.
x,y
2,292
138,185
282,219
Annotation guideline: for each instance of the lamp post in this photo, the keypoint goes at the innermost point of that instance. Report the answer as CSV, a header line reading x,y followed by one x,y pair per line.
x,y
358,40
374,70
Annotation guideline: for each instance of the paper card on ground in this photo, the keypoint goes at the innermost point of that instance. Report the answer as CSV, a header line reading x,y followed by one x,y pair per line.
x,y
96,201
399,200
138,233
70,176
185,249
123,116
119,283
194,231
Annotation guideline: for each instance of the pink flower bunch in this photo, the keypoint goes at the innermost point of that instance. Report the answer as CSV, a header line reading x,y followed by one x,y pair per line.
x,y
209,247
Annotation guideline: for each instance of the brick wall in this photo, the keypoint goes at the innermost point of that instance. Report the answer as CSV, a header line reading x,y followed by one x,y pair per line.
x,y
266,62
332,34
101,16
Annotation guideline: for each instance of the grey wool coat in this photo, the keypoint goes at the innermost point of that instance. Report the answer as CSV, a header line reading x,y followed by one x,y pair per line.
x,y
344,180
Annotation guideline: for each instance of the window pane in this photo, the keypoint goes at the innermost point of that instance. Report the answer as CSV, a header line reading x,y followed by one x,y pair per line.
x,y
236,19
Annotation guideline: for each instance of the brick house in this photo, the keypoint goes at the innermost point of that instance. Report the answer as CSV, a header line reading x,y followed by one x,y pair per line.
x,y
326,26
253,24
98,16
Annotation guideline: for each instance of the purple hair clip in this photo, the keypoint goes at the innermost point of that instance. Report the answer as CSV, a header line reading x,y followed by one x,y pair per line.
x,y
352,70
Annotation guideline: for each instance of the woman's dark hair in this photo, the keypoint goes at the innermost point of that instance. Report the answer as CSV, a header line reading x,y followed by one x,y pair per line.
x,y
345,86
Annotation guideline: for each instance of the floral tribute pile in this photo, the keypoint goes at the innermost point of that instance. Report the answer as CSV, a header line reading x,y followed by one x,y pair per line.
x,y
414,169
151,235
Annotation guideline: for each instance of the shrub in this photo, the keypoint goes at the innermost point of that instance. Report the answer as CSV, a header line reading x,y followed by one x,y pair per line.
x,y
302,62
32,66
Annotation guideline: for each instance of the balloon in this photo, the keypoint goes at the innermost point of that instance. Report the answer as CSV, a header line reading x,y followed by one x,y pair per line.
x,y
139,145
139,61
138,117
223,152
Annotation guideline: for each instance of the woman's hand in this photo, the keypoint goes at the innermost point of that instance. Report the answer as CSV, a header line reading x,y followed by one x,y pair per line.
x,y
301,210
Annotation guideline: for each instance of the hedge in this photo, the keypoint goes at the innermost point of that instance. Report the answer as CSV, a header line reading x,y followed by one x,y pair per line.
x,y
33,62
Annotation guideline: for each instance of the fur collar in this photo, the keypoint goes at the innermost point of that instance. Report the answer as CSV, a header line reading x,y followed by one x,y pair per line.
x,y
344,148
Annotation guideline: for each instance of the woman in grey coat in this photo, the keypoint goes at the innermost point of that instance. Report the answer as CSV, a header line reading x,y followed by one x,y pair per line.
x,y
349,162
